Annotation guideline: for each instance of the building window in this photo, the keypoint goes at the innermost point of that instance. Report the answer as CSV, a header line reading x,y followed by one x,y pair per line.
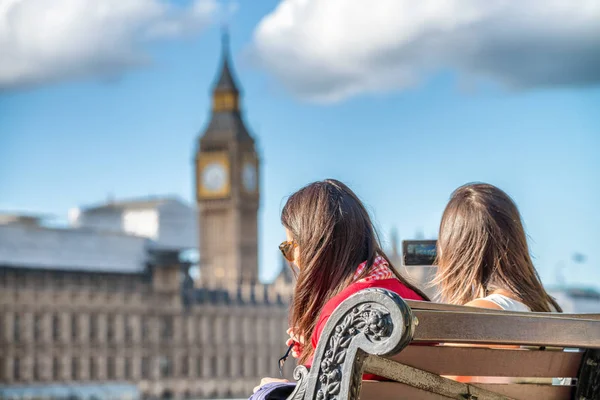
x,y
59,280
74,368
199,366
113,285
96,282
185,370
37,376
45,278
17,369
74,327
127,368
209,327
227,366
166,329
110,328
166,367
55,328
56,369
184,329
35,279
224,330
129,284
9,279
93,370
67,280
78,281
21,279
93,327
213,366
216,330
198,331
145,328
37,328
145,367
128,329
111,368
17,328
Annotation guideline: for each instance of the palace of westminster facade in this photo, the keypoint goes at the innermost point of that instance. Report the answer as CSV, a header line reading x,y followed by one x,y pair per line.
x,y
97,306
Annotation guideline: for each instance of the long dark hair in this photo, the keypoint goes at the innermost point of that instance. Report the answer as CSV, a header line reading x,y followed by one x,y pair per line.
x,y
334,234
482,247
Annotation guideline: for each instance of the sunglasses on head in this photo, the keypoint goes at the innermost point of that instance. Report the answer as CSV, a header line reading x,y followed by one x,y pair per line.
x,y
287,249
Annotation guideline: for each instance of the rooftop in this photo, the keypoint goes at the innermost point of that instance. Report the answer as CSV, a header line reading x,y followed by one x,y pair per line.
x,y
10,217
135,203
36,247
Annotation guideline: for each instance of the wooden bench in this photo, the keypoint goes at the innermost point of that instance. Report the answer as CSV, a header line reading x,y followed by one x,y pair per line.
x,y
416,345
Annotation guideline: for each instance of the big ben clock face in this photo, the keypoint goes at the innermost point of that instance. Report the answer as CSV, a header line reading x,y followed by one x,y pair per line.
x,y
213,175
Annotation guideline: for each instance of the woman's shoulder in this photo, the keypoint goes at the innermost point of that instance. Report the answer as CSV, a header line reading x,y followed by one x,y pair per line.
x,y
391,284
505,302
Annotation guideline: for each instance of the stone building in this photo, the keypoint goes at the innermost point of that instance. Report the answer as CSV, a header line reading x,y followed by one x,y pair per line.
x,y
109,301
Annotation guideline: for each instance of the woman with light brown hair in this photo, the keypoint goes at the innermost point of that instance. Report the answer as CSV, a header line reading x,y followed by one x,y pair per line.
x,y
483,256
335,249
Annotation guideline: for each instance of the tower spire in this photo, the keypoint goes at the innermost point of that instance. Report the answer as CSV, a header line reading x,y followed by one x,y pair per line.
x,y
225,39
225,82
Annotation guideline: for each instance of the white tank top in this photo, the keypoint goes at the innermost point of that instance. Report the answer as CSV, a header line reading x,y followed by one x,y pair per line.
x,y
506,303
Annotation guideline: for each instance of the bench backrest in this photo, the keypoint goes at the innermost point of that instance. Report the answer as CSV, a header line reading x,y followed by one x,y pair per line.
x,y
541,348
489,354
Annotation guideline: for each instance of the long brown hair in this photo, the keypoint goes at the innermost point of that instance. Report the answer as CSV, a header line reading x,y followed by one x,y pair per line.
x,y
334,234
482,247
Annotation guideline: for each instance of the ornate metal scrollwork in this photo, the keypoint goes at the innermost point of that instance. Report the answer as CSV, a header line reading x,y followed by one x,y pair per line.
x,y
373,321
364,319
300,376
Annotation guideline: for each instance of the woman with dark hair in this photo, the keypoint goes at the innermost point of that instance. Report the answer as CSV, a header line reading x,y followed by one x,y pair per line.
x,y
483,257
332,242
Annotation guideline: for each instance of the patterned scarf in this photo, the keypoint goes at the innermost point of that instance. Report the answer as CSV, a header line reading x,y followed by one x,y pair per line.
x,y
379,270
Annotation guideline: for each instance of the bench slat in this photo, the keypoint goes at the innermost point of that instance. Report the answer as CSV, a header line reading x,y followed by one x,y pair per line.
x,y
528,392
477,361
372,390
424,380
488,328
427,305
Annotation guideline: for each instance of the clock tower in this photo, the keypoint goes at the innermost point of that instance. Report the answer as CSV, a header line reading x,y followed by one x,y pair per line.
x,y
227,188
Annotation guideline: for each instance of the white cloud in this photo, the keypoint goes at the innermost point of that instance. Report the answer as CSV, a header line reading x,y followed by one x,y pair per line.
x,y
330,50
49,40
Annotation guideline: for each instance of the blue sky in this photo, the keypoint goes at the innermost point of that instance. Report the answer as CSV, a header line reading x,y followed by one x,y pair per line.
x,y
404,147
